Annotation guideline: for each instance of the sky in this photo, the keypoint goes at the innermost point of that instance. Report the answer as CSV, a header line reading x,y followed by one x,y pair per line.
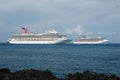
x,y
92,18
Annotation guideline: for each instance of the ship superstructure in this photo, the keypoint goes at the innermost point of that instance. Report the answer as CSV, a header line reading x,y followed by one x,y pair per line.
x,y
85,40
50,37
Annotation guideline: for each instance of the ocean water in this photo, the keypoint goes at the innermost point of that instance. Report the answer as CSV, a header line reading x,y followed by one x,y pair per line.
x,y
62,59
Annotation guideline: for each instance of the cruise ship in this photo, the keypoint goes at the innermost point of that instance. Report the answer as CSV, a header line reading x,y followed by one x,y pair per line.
x,y
85,40
50,37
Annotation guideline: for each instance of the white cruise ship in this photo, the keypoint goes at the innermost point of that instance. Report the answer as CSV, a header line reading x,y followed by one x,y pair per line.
x,y
85,40
50,37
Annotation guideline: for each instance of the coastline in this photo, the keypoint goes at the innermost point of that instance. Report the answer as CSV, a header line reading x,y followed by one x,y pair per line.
x,y
32,74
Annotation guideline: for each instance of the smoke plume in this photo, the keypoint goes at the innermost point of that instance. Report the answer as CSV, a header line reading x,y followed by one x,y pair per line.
x,y
78,30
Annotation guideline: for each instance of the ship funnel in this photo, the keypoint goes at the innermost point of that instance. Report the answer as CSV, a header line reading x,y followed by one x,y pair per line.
x,y
25,30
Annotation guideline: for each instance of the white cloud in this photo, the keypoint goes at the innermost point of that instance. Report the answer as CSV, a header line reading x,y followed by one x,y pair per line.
x,y
76,30
16,5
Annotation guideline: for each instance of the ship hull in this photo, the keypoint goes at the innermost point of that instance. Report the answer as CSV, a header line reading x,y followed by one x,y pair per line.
x,y
58,41
91,42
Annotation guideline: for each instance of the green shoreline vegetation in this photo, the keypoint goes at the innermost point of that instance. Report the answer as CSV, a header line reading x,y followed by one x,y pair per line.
x,y
32,74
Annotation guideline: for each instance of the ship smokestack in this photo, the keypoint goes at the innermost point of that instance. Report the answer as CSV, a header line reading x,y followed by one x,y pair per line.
x,y
25,30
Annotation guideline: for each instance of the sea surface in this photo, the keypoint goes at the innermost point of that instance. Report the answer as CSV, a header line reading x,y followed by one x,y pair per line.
x,y
62,59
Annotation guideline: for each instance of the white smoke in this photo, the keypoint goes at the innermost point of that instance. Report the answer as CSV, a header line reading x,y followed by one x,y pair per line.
x,y
78,30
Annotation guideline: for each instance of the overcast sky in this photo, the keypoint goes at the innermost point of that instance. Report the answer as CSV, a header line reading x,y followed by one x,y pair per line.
x,y
92,18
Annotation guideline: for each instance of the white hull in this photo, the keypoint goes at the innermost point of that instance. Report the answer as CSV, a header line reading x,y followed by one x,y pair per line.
x,y
85,42
39,42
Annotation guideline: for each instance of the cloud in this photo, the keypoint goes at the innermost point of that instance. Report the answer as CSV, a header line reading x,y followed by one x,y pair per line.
x,y
77,30
18,5
13,5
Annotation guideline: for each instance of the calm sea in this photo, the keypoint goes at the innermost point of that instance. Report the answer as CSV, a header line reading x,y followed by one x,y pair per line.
x,y
62,59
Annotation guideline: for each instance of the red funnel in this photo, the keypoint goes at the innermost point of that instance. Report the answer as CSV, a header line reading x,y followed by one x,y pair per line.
x,y
25,30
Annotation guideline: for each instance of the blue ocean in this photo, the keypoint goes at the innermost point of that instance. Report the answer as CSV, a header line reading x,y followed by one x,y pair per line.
x,y
62,59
